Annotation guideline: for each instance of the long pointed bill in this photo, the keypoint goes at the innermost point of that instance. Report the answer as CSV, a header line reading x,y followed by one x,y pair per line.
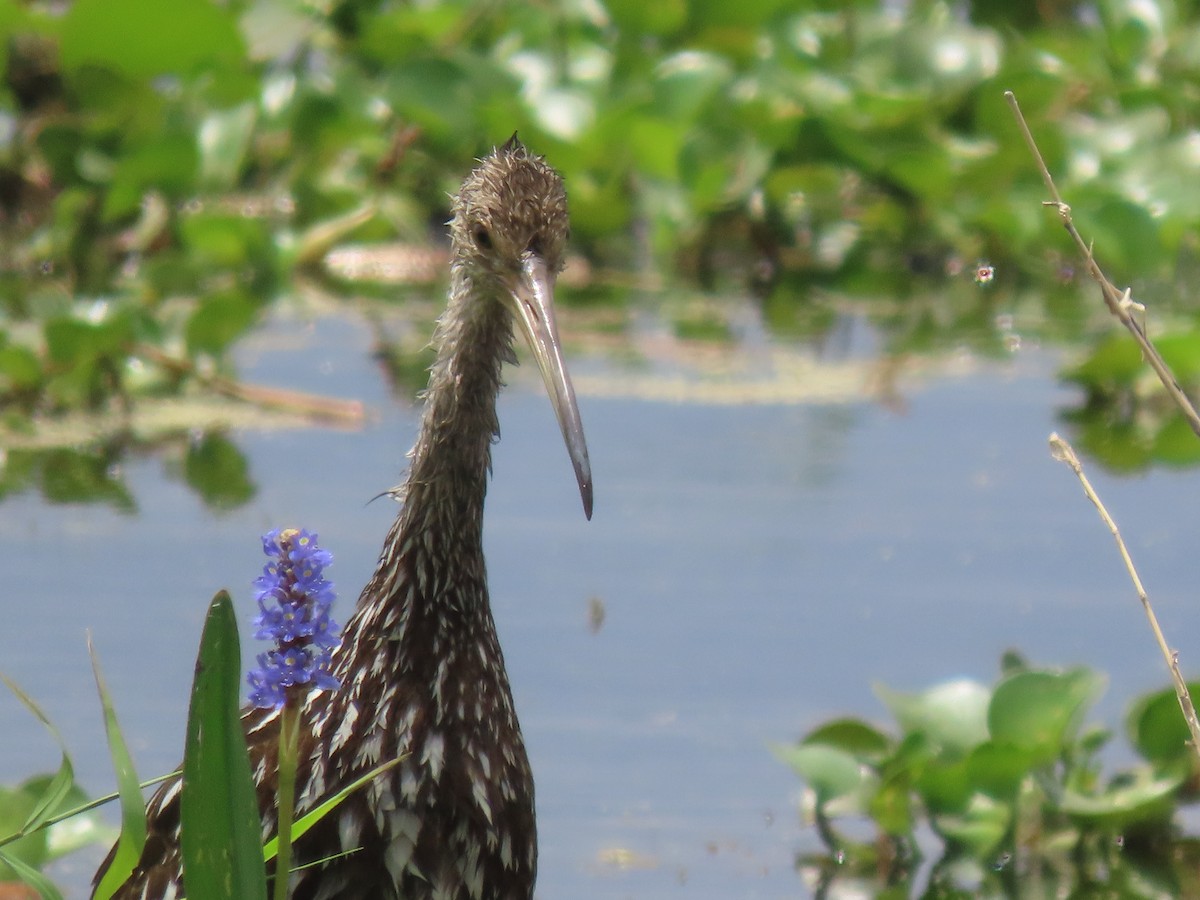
x,y
533,293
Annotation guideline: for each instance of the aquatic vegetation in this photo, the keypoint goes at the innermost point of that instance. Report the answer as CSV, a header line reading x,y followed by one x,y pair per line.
x,y
293,599
1009,778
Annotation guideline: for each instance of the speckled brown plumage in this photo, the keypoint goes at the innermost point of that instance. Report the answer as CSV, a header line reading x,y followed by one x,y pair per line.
x,y
421,669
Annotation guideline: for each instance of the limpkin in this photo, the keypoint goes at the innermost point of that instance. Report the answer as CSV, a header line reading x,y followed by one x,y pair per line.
x,y
420,666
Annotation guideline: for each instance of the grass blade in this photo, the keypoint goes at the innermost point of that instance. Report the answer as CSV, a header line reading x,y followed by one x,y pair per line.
x,y
317,813
221,833
90,805
133,809
63,779
32,877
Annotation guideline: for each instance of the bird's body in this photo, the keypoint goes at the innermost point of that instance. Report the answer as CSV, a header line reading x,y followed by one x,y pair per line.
x,y
421,671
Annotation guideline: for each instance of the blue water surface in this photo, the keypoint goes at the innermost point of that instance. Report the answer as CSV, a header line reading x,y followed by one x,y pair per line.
x,y
759,566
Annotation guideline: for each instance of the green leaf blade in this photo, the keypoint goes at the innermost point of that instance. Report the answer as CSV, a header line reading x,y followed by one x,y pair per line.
x,y
133,809
221,832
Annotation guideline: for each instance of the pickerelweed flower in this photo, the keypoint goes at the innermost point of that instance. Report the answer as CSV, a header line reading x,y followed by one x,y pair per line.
x,y
293,601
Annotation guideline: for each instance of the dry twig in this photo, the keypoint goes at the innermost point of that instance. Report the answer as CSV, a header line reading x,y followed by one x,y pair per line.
x,y
1063,451
346,413
1120,303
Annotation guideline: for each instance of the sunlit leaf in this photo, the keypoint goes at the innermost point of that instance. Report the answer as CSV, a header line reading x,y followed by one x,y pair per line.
x,y
953,714
830,772
686,81
1138,799
224,138
980,827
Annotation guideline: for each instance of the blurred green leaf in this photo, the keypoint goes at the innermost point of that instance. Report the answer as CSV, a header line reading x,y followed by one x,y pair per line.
x,y
145,38
945,785
1137,799
16,806
224,241
981,827
636,18
832,773
19,369
684,82
1156,727
851,735
1176,443
997,769
60,784
953,714
1123,234
223,143
30,876
1039,711
218,320
1114,363
1181,351
70,476
218,471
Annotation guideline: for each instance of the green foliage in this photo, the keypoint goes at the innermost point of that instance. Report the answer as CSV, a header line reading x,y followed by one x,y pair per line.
x,y
997,774
133,813
33,831
221,835
165,173
1126,422
47,816
216,470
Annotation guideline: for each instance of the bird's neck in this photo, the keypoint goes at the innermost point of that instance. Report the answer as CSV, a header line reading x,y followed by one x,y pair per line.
x,y
431,571
452,458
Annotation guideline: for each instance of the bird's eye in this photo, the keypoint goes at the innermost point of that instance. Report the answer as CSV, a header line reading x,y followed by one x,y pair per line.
x,y
482,238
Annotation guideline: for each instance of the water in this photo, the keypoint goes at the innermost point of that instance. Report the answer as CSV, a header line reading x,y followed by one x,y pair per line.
x,y
759,567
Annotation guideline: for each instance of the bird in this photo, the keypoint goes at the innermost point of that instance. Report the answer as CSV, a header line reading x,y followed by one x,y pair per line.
x,y
421,670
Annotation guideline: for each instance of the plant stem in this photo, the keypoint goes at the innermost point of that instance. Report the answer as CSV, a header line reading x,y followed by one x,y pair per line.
x,y
1119,304
1063,451
289,733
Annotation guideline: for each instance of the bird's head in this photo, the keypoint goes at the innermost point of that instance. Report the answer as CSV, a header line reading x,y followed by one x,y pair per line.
x,y
512,206
509,232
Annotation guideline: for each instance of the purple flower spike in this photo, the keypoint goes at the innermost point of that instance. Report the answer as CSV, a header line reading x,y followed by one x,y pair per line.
x,y
293,602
